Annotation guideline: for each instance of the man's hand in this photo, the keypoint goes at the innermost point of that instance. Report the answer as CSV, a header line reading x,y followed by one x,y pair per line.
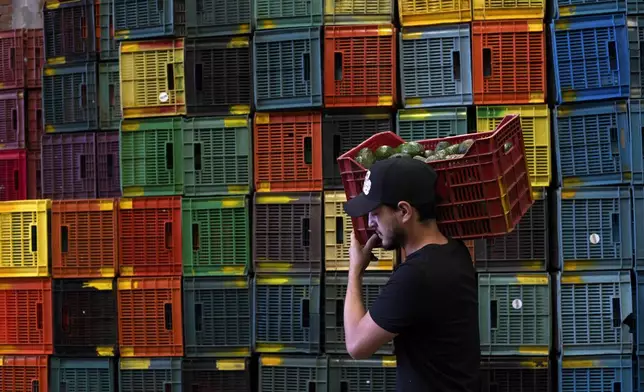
x,y
360,256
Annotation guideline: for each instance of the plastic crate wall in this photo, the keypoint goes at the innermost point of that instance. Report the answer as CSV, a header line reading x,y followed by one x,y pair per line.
x,y
285,373
150,374
591,58
508,9
335,290
109,93
360,66
593,312
422,124
158,301
287,69
269,14
218,76
511,327
595,228
35,128
13,175
70,374
34,175
212,374
639,313
26,306
149,230
85,317
108,164
287,233
524,249
35,55
286,314
575,8
217,156
593,144
635,7
24,227
69,165
141,19
69,31
638,230
208,18
151,159
509,62
287,152
636,51
12,71
507,374
70,98
12,119
436,66
217,315
425,13
535,125
340,133
216,236
84,238
108,46
603,373
637,139
347,374
152,77
20,373
355,12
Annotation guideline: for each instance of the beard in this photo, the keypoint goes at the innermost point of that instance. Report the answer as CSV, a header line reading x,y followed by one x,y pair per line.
x,y
397,240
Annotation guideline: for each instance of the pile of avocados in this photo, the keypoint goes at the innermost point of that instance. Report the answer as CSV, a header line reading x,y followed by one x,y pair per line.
x,y
414,150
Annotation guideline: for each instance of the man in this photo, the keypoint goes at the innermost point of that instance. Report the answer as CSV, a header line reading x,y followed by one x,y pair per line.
x,y
429,306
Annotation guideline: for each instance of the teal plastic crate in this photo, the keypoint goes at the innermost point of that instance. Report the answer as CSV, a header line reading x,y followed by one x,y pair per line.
x,y
516,374
211,18
377,374
151,162
603,373
109,96
217,316
217,155
515,314
141,19
280,373
216,236
638,227
150,374
87,374
420,124
594,312
279,14
636,109
108,47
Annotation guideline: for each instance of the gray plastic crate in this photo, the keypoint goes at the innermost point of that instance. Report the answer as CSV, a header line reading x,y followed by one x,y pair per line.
x,y
515,314
216,375
635,44
434,123
286,314
289,373
606,373
374,375
638,226
87,374
109,95
150,374
512,374
335,290
208,18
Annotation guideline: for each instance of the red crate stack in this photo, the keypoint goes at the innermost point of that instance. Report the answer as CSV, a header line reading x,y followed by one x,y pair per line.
x,y
24,373
13,175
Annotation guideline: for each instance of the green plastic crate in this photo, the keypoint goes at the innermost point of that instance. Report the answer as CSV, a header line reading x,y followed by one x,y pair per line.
x,y
376,374
151,163
217,316
109,96
274,14
280,373
87,374
108,48
216,236
217,155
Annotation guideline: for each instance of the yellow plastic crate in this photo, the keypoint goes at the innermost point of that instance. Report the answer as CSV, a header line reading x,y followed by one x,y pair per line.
x,y
24,246
337,237
508,9
433,12
535,123
152,78
343,12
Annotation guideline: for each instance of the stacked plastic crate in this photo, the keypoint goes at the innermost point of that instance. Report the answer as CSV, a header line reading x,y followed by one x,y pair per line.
x,y
598,135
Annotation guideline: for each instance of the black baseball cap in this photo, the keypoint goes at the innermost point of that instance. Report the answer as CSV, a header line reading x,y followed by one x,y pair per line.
x,y
391,181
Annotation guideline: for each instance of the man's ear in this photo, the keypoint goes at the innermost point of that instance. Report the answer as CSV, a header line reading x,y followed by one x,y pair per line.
x,y
405,210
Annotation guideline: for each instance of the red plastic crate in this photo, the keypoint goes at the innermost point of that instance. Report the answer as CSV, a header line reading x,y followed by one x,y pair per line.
x,y
25,316
24,373
509,62
84,238
35,55
149,317
287,152
13,175
12,119
483,194
150,236
12,65
34,179
360,66
35,128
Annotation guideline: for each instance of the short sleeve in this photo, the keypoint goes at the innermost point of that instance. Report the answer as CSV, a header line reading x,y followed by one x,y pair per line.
x,y
399,304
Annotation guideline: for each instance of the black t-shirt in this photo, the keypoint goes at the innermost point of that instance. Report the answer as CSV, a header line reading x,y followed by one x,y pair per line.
x,y
431,302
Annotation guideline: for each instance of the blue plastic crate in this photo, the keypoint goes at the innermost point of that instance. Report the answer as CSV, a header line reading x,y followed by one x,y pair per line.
x,y
211,18
594,310
593,144
568,8
287,69
595,228
638,228
137,19
436,66
149,374
87,374
515,315
272,14
603,373
635,45
637,139
591,58
515,374
419,124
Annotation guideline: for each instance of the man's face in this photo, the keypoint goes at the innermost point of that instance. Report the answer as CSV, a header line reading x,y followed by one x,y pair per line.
x,y
386,223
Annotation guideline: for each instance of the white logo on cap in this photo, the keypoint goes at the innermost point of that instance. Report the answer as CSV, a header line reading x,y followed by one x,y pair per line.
x,y
366,187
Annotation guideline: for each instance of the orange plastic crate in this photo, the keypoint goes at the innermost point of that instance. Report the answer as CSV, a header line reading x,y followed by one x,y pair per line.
x,y
24,373
25,316
509,62
149,317
288,152
360,66
150,236
84,238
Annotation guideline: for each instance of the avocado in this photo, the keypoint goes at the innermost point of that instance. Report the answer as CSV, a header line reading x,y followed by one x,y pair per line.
x,y
365,157
411,149
441,154
431,158
453,149
428,153
441,146
507,146
465,146
400,155
384,152
420,158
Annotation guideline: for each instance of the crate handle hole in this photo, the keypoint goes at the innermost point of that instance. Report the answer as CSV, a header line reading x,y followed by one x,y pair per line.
x,y
168,316
39,120
199,77
35,386
612,55
195,237
494,313
63,386
344,386
337,148
306,322
14,119
34,238
614,141
12,58
306,232
170,74
338,65
83,95
306,67
198,317
197,153
195,388
312,386
617,313
112,93
614,217
167,387
308,150
487,62
169,156
16,180
339,313
617,386
339,230
65,319
39,316
110,165
64,239
494,387
168,235
83,169
456,61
